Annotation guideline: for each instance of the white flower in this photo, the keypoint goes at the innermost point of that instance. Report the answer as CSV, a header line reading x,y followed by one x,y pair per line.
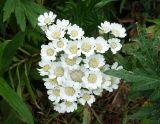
x,y
72,49
46,19
75,32
48,52
70,63
87,46
115,45
57,70
60,44
104,27
106,81
55,33
92,80
98,91
116,67
114,84
86,97
59,108
101,45
54,94
117,30
50,83
45,67
74,76
94,62
68,106
63,24
69,93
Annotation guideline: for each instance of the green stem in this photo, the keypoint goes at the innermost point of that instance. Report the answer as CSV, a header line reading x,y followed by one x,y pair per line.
x,y
86,115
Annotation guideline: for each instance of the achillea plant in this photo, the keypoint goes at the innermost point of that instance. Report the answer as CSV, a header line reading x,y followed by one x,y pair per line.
x,y
73,65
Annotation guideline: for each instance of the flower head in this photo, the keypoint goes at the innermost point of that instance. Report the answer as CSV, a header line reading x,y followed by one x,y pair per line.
x,y
115,45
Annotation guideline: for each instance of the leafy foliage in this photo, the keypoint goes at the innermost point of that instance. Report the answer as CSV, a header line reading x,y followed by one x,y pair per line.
x,y
145,77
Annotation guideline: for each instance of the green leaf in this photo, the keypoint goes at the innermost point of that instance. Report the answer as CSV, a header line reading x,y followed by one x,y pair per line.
x,y
102,3
10,50
20,16
8,8
15,102
142,80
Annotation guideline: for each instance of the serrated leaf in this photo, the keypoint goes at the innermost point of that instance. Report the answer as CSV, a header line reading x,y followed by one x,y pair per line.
x,y
15,102
10,50
8,8
20,16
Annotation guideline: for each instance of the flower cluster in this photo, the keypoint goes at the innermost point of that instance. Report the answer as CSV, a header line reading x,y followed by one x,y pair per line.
x,y
73,65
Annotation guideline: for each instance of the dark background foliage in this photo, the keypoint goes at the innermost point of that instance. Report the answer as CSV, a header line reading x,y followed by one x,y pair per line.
x,y
23,96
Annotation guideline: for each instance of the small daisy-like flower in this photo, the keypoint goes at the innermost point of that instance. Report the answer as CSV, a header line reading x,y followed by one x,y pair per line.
x,y
106,81
116,67
101,45
58,108
92,80
114,84
105,27
55,33
87,46
54,94
50,83
74,76
86,97
60,44
117,30
68,106
72,49
57,70
69,93
63,24
94,62
48,52
97,91
75,32
45,67
115,45
70,63
46,19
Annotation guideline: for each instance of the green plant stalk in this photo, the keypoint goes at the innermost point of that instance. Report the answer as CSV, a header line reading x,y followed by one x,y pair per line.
x,y
86,115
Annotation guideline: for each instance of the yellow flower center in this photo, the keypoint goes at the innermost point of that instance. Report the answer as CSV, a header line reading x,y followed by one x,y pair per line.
x,y
56,34
86,97
69,91
59,71
76,75
47,20
99,46
50,52
86,47
68,103
60,44
113,45
53,81
70,61
74,33
56,92
46,68
93,62
92,78
115,32
73,49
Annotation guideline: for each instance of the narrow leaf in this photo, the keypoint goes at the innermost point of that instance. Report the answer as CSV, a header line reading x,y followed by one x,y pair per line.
x,y
10,50
15,102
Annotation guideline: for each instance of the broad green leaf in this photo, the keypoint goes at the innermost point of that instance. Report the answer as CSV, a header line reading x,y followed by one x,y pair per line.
x,y
20,16
15,102
10,50
9,8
